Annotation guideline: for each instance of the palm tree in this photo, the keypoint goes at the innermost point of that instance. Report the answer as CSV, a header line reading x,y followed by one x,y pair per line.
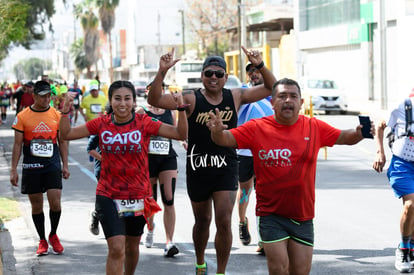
x,y
89,22
78,53
107,17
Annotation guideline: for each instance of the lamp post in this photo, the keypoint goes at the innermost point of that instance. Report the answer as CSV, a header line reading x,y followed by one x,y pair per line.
x,y
182,29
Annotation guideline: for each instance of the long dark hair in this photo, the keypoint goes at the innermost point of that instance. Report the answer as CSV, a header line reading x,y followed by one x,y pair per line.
x,y
120,84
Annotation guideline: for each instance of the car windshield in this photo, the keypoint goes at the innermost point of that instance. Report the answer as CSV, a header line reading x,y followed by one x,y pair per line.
x,y
321,84
140,83
232,82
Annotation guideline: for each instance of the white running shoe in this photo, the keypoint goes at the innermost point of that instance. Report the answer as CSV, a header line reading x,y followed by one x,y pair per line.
x,y
402,260
149,240
170,250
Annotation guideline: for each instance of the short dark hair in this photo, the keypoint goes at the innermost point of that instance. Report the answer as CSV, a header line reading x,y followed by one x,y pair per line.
x,y
285,81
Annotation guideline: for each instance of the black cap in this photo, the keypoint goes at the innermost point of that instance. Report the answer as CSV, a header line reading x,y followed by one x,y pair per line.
x,y
248,66
42,88
214,60
29,84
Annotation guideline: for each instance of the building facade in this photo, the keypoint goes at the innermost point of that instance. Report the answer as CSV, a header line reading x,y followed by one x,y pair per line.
x,y
364,45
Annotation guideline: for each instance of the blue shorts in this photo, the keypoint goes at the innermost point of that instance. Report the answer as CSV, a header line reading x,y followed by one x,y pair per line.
x,y
401,176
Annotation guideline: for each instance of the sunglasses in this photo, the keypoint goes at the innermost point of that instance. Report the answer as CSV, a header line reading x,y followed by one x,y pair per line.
x,y
209,73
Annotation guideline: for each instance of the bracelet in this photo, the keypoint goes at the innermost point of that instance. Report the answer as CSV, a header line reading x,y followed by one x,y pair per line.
x,y
65,113
261,65
183,107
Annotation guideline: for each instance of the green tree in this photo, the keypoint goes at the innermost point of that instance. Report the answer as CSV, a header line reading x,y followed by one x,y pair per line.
x,y
13,24
107,17
79,57
89,22
31,68
23,21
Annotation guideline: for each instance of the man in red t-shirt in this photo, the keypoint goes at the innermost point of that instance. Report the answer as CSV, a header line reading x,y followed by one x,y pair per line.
x,y
27,97
285,147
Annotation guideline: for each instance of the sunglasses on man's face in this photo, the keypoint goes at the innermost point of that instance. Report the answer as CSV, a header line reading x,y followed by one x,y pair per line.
x,y
209,73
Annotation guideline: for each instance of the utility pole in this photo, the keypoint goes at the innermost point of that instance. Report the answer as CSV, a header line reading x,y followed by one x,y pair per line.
x,y
242,39
383,44
182,29
159,34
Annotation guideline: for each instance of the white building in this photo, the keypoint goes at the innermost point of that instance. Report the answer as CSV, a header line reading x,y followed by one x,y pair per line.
x,y
342,40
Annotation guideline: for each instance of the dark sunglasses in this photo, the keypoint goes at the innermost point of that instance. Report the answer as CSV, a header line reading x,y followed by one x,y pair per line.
x,y
209,73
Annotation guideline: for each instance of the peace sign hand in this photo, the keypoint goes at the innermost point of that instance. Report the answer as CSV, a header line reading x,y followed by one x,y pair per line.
x,y
167,61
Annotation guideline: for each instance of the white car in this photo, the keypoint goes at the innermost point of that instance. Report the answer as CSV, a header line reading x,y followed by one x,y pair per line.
x,y
324,95
233,82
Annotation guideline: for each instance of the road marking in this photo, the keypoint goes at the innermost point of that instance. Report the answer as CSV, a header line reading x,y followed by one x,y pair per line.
x,y
83,169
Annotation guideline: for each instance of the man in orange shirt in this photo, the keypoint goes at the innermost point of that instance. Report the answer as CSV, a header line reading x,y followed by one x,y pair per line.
x,y
37,135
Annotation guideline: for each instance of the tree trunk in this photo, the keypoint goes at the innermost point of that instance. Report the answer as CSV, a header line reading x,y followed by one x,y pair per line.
x,y
111,69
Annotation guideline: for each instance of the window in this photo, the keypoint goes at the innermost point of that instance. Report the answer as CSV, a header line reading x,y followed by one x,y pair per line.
x,y
316,14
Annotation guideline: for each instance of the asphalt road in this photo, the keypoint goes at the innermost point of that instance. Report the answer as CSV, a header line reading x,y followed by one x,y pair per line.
x,y
356,224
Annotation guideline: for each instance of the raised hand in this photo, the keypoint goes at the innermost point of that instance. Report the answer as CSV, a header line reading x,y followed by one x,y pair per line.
x,y
254,56
167,60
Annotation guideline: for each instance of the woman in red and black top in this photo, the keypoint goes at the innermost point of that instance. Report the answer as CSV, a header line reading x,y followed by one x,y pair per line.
x,y
124,193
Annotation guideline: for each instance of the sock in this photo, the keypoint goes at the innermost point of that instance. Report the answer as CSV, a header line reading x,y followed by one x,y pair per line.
x,y
39,222
412,244
54,221
405,242
201,266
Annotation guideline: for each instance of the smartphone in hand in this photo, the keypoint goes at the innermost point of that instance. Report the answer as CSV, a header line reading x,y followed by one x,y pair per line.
x,y
365,121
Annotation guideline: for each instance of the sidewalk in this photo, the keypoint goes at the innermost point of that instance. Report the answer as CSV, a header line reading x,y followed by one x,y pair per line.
x,y
18,233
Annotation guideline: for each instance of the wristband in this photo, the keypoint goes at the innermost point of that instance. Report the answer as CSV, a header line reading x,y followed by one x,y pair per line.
x,y
65,113
261,65
183,107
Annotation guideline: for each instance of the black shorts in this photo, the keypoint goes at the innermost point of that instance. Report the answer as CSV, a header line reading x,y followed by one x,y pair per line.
x,y
40,183
157,164
275,228
114,225
200,188
246,169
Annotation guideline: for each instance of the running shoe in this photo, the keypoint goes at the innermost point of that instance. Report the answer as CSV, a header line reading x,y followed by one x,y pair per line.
x,y
94,226
244,232
55,243
260,249
201,270
43,248
402,260
412,257
149,240
170,250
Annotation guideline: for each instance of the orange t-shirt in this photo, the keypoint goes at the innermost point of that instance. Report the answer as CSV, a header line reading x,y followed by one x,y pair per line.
x,y
40,137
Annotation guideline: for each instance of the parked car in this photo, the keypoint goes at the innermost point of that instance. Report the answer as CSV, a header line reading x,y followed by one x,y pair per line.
x,y
140,86
233,82
324,95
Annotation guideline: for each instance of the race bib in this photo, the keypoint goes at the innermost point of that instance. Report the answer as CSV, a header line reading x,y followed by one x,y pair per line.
x,y
129,208
75,101
41,148
96,108
159,146
5,101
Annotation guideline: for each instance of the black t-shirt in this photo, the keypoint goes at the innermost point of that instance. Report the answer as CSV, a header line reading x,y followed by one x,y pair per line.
x,y
203,155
